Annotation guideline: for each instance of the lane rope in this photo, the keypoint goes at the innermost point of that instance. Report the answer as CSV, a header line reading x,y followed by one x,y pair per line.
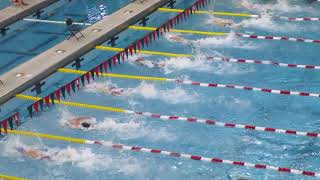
x,y
243,15
209,122
216,85
7,177
123,147
212,12
233,60
265,62
283,38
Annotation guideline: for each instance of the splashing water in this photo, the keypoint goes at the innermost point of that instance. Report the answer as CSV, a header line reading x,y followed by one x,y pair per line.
x,y
230,40
80,157
173,96
266,23
133,128
202,64
282,6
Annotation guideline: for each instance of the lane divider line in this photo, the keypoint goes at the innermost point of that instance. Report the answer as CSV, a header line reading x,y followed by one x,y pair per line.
x,y
7,177
212,85
122,147
233,60
209,122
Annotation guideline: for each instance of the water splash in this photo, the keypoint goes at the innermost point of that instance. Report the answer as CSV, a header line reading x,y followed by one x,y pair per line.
x,y
266,23
230,40
83,158
133,128
201,63
173,96
282,6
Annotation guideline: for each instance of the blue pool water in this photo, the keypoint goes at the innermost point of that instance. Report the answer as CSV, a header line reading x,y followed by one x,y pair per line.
x,y
226,105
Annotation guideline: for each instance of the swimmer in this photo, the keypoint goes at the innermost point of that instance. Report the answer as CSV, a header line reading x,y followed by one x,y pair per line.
x,y
142,62
178,38
114,91
223,22
80,123
33,153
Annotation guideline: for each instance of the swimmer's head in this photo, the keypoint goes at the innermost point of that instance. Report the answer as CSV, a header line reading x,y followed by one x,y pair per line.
x,y
20,149
139,60
86,125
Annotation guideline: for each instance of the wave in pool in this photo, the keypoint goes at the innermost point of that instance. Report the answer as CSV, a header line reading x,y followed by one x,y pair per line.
x,y
282,6
83,158
133,128
202,64
176,95
230,40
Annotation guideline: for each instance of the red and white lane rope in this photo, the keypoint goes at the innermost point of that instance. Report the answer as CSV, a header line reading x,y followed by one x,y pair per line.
x,y
110,144
247,88
277,38
265,62
299,18
204,159
223,124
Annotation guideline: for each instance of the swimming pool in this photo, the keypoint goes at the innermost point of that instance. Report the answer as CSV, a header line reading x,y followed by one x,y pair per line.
x,y
226,105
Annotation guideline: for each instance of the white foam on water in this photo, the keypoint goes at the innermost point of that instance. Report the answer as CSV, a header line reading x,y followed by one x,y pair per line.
x,y
230,40
132,128
83,158
266,23
174,96
202,64
282,6
177,64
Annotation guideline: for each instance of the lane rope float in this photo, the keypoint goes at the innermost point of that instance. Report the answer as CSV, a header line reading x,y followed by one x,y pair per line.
x,y
216,85
178,118
233,60
110,144
7,177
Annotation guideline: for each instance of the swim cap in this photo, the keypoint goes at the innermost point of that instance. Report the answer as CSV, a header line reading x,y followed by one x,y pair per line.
x,y
86,125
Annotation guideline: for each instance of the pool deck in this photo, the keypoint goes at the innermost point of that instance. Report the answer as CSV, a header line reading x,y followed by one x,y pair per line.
x,y
15,13
46,63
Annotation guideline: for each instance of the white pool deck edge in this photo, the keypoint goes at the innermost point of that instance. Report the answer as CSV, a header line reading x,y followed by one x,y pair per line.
x,y
46,63
14,13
